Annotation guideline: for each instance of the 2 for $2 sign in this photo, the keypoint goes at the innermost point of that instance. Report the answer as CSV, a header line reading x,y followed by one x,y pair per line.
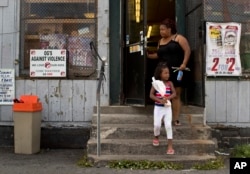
x,y
223,66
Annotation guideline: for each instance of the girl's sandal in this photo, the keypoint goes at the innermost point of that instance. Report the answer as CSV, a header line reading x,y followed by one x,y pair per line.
x,y
170,152
177,123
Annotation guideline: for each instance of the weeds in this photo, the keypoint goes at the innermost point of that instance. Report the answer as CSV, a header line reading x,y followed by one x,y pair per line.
x,y
144,165
241,151
85,162
210,165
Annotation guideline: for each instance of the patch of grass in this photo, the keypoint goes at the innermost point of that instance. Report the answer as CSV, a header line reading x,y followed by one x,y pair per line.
x,y
210,164
153,165
241,151
85,162
144,165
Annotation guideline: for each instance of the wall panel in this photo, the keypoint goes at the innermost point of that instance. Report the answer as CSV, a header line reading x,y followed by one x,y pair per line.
x,y
231,102
66,100
209,102
78,100
43,94
244,101
220,101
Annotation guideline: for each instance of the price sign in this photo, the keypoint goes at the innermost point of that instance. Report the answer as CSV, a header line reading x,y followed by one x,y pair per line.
x,y
222,53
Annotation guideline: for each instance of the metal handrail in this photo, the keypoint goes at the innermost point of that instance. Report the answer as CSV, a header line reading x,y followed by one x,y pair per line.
x,y
98,98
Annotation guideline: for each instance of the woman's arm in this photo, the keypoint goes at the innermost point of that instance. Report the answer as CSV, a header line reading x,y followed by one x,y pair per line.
x,y
186,48
152,55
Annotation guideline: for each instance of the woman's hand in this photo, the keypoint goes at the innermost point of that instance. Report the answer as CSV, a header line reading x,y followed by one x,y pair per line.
x,y
182,67
152,55
148,54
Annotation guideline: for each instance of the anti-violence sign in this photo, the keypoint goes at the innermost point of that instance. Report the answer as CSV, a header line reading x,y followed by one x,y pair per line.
x,y
48,63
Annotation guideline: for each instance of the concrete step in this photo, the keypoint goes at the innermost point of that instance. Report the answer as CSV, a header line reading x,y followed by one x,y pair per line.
x,y
144,131
186,160
186,109
145,147
185,119
127,134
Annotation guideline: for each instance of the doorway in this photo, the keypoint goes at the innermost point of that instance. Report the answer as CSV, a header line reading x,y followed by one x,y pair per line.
x,y
130,66
141,21
157,11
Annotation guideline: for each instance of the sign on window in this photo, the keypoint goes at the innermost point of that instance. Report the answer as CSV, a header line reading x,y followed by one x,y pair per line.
x,y
222,53
48,63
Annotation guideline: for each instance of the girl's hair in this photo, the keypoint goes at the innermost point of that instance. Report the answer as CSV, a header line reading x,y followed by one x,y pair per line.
x,y
169,23
159,69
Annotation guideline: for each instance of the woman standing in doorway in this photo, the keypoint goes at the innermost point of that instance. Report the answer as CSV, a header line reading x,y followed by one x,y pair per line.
x,y
174,50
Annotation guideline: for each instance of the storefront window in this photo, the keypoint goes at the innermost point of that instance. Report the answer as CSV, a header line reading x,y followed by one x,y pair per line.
x,y
60,24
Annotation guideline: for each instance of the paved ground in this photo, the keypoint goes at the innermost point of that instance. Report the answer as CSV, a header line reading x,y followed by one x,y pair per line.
x,y
63,161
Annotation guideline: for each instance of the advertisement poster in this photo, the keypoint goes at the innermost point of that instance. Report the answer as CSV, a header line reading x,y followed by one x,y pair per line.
x,y
79,51
53,41
7,86
48,63
222,51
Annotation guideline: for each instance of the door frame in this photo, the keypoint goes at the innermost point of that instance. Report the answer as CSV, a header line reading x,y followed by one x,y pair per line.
x,y
134,53
117,44
115,52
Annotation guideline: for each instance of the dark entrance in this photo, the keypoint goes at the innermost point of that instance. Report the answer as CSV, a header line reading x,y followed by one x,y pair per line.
x,y
136,69
140,17
134,51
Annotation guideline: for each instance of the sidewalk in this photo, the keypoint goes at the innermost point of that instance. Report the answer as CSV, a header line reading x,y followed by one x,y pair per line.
x,y
63,161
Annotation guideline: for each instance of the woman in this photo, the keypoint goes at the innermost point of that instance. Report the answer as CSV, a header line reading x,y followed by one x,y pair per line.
x,y
173,49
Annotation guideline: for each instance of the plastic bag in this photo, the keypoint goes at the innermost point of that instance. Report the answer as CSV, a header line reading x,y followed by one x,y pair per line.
x,y
161,88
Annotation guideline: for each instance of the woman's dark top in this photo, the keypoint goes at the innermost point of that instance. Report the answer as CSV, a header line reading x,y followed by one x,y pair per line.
x,y
173,55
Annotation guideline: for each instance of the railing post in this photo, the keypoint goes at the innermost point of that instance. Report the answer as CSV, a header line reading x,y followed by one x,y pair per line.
x,y
101,77
98,125
98,98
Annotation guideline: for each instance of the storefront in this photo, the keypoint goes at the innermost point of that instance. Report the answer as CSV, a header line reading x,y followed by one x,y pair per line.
x,y
224,98
119,29
139,33
67,98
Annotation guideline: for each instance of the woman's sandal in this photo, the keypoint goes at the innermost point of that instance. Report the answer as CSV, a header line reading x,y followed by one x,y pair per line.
x,y
177,123
170,152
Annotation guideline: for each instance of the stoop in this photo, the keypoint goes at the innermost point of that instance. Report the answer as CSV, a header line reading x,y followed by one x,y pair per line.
x,y
127,134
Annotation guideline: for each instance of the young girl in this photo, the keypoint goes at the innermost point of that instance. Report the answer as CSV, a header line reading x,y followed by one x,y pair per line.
x,y
162,111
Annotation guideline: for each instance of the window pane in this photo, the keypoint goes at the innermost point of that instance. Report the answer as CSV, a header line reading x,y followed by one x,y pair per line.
x,y
60,24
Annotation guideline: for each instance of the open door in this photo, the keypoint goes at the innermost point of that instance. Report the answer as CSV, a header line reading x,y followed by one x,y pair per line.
x,y
134,51
137,70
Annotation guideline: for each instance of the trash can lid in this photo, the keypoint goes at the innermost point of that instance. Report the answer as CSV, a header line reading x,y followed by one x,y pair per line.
x,y
29,98
30,103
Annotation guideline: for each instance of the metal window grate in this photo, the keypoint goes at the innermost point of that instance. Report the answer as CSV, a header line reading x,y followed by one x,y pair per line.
x,y
60,24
